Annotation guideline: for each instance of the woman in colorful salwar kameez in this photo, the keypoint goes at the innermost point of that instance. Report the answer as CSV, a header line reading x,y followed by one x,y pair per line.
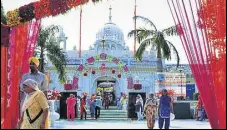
x,y
35,107
150,110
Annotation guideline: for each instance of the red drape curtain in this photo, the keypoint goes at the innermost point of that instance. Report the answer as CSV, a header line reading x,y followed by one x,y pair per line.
x,y
202,25
4,60
22,44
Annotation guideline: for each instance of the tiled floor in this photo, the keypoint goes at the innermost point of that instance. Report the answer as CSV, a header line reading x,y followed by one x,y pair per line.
x,y
100,124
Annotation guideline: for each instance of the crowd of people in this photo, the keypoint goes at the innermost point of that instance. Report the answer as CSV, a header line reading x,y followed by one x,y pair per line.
x,y
35,109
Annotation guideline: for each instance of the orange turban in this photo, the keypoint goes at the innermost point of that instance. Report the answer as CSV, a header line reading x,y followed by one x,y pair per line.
x,y
34,60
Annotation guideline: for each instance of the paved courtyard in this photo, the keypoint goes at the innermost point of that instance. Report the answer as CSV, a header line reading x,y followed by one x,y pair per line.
x,y
101,124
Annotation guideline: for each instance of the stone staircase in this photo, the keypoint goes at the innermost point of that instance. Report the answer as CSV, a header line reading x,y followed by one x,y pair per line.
x,y
111,114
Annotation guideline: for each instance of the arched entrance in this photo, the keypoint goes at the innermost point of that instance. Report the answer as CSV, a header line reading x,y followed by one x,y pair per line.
x,y
107,85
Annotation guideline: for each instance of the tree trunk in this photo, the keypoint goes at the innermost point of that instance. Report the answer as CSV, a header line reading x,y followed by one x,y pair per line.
x,y
160,69
159,60
41,65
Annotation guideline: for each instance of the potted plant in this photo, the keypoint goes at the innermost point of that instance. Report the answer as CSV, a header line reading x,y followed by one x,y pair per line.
x,y
53,95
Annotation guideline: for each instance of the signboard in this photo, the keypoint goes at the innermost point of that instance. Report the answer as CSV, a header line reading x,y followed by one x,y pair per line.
x,y
143,62
71,61
175,81
105,89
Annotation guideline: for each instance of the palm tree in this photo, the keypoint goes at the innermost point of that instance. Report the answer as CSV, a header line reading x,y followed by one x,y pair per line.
x,y
3,17
155,39
49,46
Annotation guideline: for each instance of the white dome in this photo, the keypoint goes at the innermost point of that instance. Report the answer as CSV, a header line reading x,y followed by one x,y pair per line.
x,y
110,32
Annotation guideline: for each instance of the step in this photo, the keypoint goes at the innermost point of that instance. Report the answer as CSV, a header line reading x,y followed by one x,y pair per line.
x,y
109,119
111,116
113,113
106,115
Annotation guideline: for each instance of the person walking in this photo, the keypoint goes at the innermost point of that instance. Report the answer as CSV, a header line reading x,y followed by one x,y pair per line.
x,y
98,104
122,102
165,108
141,100
35,108
107,101
83,107
71,102
138,108
150,110
118,104
92,105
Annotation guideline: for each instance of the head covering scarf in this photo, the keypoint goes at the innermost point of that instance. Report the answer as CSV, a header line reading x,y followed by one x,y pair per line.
x,y
151,100
29,98
141,99
34,60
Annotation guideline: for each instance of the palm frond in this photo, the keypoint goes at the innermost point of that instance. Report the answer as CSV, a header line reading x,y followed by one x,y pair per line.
x,y
171,31
58,58
132,33
146,20
46,33
166,50
141,34
175,52
144,44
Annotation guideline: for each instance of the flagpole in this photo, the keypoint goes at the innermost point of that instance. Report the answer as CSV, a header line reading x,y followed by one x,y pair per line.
x,y
135,29
80,31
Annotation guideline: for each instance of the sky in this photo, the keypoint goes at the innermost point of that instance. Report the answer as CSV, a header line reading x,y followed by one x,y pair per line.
x,y
95,16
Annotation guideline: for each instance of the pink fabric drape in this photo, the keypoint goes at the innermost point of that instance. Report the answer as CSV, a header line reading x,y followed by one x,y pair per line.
x,y
22,44
199,44
33,32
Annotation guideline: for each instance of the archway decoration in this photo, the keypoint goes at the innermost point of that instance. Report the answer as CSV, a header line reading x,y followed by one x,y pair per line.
x,y
102,57
41,9
81,69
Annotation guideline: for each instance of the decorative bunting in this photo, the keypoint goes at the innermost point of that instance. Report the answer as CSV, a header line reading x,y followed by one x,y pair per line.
x,y
91,60
42,9
74,3
26,12
58,7
103,56
5,31
13,18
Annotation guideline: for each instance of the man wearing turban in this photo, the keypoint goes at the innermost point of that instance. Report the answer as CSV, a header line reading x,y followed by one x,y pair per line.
x,y
36,75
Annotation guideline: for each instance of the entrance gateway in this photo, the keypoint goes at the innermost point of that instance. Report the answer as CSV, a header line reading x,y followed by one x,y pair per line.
x,y
107,85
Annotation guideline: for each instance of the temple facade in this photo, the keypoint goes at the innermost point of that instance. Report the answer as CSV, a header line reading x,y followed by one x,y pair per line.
x,y
110,42
110,61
